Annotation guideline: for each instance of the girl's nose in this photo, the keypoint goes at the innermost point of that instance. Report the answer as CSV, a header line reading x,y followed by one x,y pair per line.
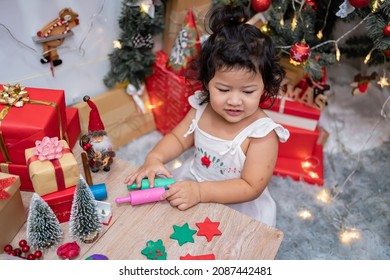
x,y
234,99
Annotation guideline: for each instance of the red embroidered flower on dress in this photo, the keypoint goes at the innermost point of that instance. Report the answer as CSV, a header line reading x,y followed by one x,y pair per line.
x,y
205,161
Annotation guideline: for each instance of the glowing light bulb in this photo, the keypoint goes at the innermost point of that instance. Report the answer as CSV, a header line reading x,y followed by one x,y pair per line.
x,y
294,23
348,235
305,214
320,34
324,196
177,164
338,54
367,58
117,44
306,164
314,175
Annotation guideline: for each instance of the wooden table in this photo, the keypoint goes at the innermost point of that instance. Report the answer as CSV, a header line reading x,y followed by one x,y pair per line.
x,y
132,226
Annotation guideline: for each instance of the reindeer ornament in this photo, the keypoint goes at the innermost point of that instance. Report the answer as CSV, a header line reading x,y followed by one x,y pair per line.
x,y
53,34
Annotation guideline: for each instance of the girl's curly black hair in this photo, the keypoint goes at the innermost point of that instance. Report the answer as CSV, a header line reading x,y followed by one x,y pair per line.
x,y
235,44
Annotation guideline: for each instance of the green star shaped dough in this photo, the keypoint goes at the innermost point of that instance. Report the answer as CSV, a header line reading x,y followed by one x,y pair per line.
x,y
183,234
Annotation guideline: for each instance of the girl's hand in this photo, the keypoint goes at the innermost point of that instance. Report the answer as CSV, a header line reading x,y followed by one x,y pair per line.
x,y
183,194
150,169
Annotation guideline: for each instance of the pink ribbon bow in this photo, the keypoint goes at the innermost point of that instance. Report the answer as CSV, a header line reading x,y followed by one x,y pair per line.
x,y
48,148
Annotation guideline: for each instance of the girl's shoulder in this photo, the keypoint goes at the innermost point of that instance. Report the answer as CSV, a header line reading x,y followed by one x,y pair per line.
x,y
264,125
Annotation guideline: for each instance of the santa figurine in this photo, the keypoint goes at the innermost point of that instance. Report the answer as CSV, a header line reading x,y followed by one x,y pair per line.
x,y
96,143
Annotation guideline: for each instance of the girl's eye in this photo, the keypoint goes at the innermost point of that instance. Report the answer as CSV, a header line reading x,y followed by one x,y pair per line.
x,y
223,90
248,91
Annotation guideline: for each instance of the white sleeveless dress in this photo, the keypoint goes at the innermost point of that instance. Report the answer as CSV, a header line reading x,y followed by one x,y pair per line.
x,y
217,159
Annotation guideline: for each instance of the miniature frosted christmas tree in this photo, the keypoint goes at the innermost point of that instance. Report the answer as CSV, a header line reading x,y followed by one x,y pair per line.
x,y
84,223
43,227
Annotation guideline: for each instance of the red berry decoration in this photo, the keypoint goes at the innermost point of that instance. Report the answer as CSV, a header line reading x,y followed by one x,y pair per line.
x,y
30,257
38,254
18,252
22,243
299,52
359,3
7,248
386,31
25,248
260,5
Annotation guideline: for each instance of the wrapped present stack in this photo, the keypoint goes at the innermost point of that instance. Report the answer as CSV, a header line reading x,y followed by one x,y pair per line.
x,y
29,117
298,108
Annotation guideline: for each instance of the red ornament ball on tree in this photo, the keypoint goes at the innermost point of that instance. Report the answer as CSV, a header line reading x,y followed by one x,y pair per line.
x,y
300,52
260,5
386,31
359,3
387,53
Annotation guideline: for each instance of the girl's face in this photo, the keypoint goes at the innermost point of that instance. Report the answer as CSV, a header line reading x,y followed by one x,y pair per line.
x,y
235,93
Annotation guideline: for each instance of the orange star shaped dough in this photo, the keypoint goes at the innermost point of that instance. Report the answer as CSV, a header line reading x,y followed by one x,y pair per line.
x,y
208,229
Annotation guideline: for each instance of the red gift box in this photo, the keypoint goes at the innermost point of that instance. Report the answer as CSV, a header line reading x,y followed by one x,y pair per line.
x,y
300,144
42,115
288,106
61,203
168,94
21,171
73,126
309,170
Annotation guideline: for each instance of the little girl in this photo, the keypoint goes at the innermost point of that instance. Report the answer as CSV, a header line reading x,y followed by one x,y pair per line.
x,y
236,143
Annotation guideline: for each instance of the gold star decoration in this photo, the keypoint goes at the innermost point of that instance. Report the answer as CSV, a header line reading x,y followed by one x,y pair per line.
x,y
383,82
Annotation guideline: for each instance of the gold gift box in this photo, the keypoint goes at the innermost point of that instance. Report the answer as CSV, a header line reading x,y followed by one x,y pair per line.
x,y
12,212
43,173
122,119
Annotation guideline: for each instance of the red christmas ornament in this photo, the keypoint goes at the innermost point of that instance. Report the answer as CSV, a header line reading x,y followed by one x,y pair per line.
x,y
359,3
299,52
387,53
386,31
260,5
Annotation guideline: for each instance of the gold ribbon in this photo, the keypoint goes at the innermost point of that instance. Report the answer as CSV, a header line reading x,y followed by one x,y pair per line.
x,y
12,95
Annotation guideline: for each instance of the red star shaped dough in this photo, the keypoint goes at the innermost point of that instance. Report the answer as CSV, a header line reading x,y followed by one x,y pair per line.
x,y
208,229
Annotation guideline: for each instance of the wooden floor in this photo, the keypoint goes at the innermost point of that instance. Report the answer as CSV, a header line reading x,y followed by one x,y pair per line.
x,y
131,227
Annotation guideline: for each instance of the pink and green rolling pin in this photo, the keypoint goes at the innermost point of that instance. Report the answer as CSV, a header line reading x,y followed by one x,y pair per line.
x,y
146,194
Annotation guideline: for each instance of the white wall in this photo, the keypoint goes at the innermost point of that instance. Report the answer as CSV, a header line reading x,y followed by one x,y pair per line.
x,y
80,73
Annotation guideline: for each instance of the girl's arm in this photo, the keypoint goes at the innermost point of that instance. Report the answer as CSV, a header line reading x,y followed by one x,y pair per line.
x,y
260,162
168,148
